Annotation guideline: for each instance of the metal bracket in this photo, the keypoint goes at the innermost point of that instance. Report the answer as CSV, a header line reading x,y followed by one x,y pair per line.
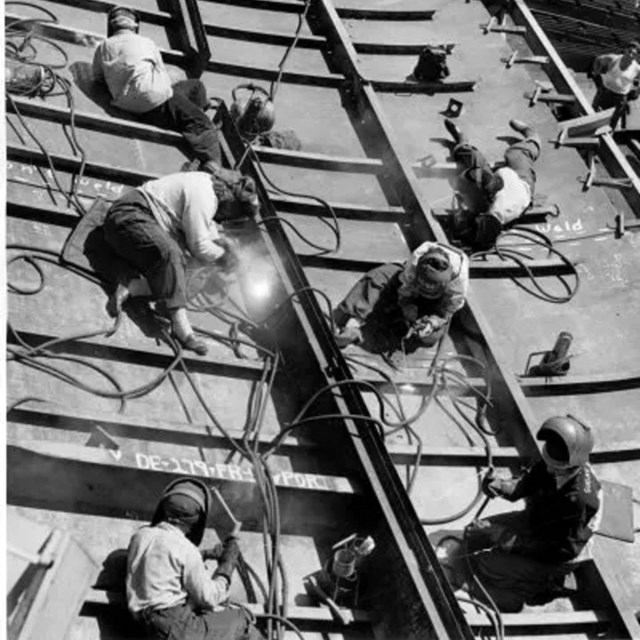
x,y
514,59
502,27
544,93
614,183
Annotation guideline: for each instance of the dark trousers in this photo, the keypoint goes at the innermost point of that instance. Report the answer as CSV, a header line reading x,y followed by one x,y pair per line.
x,y
374,300
134,235
510,578
184,113
605,99
183,623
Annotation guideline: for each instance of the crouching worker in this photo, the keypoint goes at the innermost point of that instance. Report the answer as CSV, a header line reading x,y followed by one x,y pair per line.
x,y
153,229
522,557
410,302
168,588
132,68
507,192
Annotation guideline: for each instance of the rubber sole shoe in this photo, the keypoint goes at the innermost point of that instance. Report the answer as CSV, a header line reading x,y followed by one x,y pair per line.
x,y
191,343
521,127
454,131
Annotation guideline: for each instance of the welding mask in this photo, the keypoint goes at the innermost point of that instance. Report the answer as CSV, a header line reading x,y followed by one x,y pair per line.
x,y
120,18
567,442
185,501
433,273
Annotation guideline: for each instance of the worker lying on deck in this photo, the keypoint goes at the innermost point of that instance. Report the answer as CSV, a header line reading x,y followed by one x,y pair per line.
x,y
617,77
528,552
154,227
168,587
412,301
139,83
507,191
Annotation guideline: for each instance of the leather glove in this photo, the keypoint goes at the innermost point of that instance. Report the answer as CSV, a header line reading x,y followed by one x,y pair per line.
x,y
213,553
409,312
229,259
228,559
491,486
507,541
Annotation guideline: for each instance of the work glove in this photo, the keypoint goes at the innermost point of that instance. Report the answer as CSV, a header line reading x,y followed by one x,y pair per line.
x,y
409,312
229,260
228,559
213,553
422,328
492,485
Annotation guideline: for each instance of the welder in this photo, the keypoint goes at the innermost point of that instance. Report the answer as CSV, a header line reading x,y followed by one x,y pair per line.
x,y
523,557
132,68
168,588
153,229
506,192
617,77
409,303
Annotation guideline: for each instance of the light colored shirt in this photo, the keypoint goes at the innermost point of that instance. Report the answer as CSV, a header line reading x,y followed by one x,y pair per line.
x,y
613,77
456,290
184,205
514,197
165,569
134,72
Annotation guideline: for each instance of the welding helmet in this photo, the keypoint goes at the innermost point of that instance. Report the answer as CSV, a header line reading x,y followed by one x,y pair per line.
x,y
567,442
433,273
120,18
185,501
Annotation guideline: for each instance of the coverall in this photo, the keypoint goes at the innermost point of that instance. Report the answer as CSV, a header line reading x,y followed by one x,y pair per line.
x,y
388,303
536,544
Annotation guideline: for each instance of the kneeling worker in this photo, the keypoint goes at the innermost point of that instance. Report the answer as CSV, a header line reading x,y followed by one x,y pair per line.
x,y
132,68
154,227
521,557
507,191
168,588
396,302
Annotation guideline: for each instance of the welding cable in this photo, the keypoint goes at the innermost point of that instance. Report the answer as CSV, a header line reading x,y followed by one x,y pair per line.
x,y
490,613
535,238
333,223
499,626
275,84
16,403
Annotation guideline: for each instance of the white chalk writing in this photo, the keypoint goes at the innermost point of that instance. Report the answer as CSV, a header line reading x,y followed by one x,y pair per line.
x,y
186,466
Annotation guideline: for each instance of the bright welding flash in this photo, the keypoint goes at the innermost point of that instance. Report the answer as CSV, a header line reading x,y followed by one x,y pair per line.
x,y
260,289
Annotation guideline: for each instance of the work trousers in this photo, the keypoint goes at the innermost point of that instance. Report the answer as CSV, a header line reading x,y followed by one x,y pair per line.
x,y
513,579
183,623
374,300
520,157
606,99
135,236
184,113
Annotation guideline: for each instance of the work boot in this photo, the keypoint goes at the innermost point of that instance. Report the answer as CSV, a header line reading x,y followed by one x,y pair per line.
x,y
183,333
349,334
522,128
454,131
